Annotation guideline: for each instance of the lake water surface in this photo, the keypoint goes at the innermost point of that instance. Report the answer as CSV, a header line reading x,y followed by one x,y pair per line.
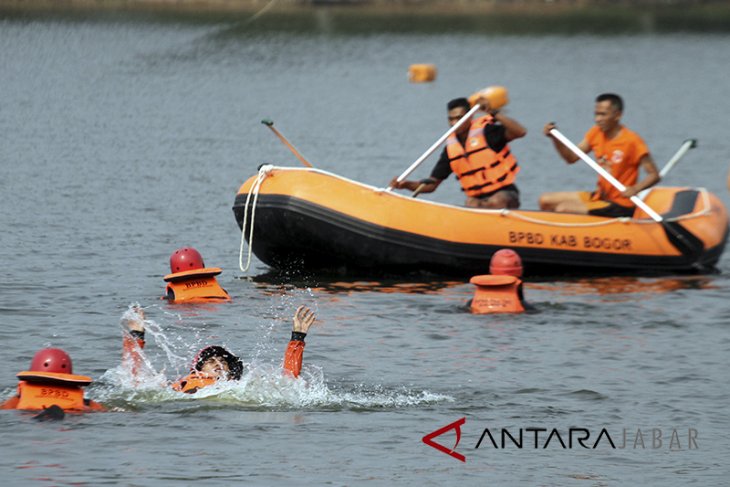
x,y
124,140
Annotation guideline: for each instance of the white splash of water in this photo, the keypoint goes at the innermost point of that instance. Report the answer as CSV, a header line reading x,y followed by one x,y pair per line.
x,y
262,385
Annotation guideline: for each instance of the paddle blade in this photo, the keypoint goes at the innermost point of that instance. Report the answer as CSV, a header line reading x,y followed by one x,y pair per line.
x,y
685,241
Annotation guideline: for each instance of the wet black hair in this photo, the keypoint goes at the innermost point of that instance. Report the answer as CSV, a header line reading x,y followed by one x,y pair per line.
x,y
458,103
615,100
235,365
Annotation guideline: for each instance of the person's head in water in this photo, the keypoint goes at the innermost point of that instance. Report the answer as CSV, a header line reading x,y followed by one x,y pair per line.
x,y
608,111
456,109
218,362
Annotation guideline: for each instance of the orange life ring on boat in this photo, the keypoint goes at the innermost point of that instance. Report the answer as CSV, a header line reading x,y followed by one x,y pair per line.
x,y
198,285
496,294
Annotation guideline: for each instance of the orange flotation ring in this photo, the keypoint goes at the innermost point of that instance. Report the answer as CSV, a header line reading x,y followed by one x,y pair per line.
x,y
496,294
190,281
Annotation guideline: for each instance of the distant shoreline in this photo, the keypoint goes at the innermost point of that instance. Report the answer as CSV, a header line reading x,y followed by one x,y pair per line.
x,y
385,7
407,16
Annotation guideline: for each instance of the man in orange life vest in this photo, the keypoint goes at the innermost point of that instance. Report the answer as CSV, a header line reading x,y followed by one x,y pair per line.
x,y
479,155
50,382
215,363
620,151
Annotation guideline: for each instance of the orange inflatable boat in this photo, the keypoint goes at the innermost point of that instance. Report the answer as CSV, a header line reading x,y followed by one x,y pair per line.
x,y
306,219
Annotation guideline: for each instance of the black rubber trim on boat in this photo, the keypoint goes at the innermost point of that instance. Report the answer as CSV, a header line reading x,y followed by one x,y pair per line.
x,y
303,234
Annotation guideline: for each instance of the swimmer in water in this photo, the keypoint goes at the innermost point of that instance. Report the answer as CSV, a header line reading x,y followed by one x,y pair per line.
x,y
215,363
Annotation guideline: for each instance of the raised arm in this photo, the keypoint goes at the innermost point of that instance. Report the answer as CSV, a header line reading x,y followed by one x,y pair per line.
x,y
512,128
303,319
133,340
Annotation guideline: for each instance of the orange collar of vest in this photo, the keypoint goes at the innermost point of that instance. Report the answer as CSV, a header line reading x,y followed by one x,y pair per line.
x,y
194,381
180,276
54,378
493,280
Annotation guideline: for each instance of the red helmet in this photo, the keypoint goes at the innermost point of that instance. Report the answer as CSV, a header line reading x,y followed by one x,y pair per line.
x,y
186,259
506,262
51,360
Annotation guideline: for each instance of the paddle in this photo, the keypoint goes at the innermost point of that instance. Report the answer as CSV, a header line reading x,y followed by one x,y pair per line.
x,y
436,145
270,124
418,190
686,146
684,240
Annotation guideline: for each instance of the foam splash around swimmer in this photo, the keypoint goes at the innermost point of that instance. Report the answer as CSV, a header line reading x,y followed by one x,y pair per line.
x,y
263,385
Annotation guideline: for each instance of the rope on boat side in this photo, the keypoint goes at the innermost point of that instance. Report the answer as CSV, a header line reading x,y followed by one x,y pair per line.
x,y
254,189
520,216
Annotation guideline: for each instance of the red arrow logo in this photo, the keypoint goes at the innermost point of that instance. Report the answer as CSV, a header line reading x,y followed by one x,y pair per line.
x,y
456,425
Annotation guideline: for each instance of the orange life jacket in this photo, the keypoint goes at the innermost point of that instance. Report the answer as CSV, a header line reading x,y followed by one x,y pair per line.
x,y
496,294
480,169
194,381
36,396
198,285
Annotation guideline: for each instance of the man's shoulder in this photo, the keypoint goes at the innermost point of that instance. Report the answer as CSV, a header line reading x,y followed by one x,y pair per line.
x,y
631,136
593,133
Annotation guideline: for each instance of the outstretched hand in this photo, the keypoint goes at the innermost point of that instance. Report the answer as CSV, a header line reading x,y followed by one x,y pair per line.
x,y
303,319
135,320
395,184
484,103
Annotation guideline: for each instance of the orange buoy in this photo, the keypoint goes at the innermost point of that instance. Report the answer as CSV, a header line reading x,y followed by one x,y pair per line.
x,y
190,281
497,95
496,294
421,73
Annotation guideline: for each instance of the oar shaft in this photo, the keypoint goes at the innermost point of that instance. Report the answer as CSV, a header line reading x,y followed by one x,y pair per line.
x,y
293,149
605,174
418,190
436,145
686,146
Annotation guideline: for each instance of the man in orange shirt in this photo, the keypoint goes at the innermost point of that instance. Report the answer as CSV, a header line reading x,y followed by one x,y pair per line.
x,y
620,151
215,363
